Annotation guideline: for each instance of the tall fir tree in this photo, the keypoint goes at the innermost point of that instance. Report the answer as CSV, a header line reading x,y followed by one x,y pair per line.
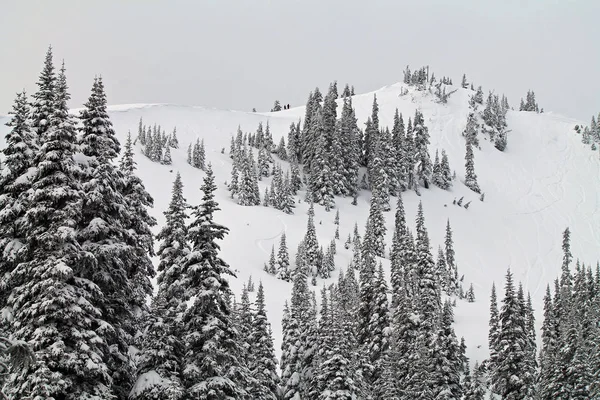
x,y
14,185
52,303
213,366
448,366
470,176
283,260
424,167
163,348
138,223
510,382
493,335
104,222
264,365
44,100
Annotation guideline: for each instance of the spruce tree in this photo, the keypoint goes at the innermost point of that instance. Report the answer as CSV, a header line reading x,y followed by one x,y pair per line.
x,y
281,150
379,177
174,142
174,246
52,302
157,148
549,350
397,267
351,148
336,378
283,260
299,324
470,176
447,361
470,132
264,365
510,383
493,336
376,224
18,158
442,270
44,102
166,158
367,304
163,348
212,364
243,319
272,267
427,281
159,371
398,138
311,247
446,174
248,185
104,223
470,295
233,186
421,151
379,325
437,171
138,223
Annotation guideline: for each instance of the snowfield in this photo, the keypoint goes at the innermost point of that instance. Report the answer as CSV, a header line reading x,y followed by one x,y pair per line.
x,y
544,181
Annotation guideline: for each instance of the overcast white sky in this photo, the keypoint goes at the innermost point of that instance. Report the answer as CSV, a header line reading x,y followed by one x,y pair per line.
x,y
244,54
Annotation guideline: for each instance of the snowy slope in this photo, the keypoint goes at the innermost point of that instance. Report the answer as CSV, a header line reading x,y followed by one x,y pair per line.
x,y
543,182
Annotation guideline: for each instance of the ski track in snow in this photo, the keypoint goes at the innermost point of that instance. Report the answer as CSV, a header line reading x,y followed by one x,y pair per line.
x,y
259,242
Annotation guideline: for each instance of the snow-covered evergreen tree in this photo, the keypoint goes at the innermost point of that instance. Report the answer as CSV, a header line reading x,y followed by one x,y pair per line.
x,y
471,130
428,284
398,148
281,150
138,224
311,247
264,365
166,158
470,176
376,225
509,381
283,260
447,362
14,184
213,366
446,174
173,141
398,263
470,295
44,100
52,302
379,177
437,178
248,184
421,151
202,156
299,326
163,348
549,351
351,148
101,225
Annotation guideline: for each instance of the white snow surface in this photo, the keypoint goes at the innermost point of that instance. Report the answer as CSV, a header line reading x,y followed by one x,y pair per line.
x,y
544,181
146,381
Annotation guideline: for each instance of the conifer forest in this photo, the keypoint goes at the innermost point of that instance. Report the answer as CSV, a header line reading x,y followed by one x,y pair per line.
x,y
334,250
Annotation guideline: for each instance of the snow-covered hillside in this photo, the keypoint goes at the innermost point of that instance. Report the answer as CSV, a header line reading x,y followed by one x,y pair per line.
x,y
545,181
